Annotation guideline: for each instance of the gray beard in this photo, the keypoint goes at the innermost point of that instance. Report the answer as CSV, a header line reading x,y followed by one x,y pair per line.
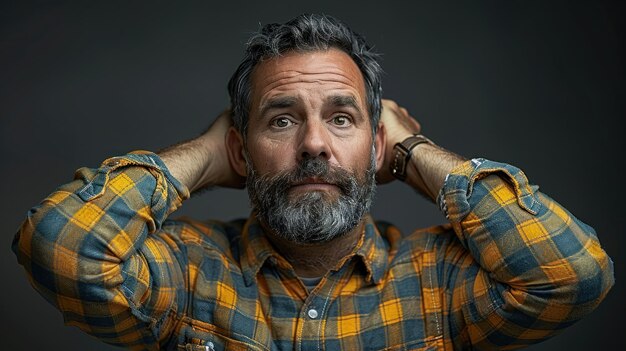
x,y
311,217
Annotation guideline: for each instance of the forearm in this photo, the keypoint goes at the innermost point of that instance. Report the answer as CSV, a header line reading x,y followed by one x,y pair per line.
x,y
190,162
428,167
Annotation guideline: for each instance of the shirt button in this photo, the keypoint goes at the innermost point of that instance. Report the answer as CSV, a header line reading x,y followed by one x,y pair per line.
x,y
312,313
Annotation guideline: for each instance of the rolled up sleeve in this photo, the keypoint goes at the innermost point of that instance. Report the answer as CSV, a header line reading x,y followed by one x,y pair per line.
x,y
534,267
93,249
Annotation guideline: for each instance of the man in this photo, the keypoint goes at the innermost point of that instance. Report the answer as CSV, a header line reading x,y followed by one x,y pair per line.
x,y
310,269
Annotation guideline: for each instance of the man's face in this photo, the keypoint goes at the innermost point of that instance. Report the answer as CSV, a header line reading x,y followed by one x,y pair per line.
x,y
311,161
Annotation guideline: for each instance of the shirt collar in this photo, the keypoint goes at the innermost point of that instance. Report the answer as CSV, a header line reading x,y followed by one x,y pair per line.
x,y
372,249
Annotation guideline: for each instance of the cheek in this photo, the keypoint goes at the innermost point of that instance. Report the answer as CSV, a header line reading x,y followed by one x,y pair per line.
x,y
355,157
271,156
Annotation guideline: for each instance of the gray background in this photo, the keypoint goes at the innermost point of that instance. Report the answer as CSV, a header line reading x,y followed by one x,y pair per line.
x,y
537,85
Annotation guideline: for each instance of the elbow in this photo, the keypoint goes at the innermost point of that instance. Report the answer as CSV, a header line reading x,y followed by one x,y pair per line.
x,y
591,278
594,281
594,271
22,244
35,243
582,274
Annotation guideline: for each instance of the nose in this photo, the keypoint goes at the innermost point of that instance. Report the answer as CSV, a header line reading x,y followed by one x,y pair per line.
x,y
314,141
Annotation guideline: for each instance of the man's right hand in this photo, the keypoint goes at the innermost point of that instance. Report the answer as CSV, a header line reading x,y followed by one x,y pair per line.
x,y
203,162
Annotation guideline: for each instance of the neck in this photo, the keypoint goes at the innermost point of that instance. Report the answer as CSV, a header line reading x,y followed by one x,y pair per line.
x,y
315,260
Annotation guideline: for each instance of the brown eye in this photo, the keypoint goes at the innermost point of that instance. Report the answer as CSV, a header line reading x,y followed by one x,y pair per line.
x,y
281,122
341,120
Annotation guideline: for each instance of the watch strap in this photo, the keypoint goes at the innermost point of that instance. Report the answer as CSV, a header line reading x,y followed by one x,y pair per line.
x,y
402,154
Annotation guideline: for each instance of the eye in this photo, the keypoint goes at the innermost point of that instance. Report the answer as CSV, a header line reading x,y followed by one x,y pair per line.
x,y
341,120
281,122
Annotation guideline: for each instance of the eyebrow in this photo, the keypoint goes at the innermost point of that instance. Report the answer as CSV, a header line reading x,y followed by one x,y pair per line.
x,y
289,101
344,101
278,103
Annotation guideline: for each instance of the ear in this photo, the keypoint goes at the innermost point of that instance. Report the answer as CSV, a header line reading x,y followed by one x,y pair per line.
x,y
380,143
235,150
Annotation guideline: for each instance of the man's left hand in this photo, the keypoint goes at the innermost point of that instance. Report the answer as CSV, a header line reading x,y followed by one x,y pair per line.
x,y
398,125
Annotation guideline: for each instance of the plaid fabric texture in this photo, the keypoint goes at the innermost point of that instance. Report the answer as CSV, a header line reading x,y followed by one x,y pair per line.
x,y
512,267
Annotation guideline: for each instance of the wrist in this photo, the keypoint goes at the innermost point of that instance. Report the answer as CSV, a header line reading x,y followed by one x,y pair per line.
x,y
403,153
428,168
188,162
416,173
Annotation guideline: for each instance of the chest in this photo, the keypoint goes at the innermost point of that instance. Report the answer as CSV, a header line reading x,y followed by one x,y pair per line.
x,y
344,312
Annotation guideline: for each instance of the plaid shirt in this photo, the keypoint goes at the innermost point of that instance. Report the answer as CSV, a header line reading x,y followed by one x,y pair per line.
x,y
511,268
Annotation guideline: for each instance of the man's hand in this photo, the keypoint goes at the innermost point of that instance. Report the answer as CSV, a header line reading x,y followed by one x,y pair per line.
x,y
398,125
203,162
429,163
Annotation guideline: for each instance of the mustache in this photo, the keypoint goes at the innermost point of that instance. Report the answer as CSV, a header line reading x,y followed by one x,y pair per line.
x,y
319,169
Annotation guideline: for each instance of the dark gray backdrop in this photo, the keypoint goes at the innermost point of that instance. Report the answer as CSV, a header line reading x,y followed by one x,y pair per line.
x,y
537,85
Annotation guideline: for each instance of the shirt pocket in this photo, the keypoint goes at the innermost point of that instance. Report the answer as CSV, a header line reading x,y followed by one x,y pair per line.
x,y
430,344
199,336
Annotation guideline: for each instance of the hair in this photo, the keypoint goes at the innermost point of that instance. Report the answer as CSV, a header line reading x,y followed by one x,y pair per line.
x,y
305,33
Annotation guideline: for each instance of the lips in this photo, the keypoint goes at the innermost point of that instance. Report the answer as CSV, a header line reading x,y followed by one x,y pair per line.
x,y
312,181
314,184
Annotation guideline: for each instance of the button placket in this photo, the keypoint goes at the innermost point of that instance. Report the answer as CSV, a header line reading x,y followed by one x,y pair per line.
x,y
316,307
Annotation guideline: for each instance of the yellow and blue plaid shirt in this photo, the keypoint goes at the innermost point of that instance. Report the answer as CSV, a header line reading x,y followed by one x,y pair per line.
x,y
511,268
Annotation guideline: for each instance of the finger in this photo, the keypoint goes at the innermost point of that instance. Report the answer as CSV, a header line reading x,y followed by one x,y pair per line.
x,y
405,112
392,105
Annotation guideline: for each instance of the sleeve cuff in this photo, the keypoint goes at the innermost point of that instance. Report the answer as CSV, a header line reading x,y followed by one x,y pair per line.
x,y
139,158
454,196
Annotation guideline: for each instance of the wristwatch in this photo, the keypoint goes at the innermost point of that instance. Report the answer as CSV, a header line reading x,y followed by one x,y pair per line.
x,y
403,154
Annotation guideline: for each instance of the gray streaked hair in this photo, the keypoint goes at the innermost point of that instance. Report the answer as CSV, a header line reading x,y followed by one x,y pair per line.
x,y
305,33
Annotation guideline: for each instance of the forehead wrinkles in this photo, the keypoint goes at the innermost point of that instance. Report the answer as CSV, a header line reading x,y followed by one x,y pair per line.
x,y
332,67
328,74
286,81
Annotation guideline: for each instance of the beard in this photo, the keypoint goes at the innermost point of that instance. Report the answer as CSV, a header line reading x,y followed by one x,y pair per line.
x,y
315,216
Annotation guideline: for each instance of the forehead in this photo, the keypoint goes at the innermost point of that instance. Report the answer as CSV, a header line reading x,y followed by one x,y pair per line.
x,y
320,71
